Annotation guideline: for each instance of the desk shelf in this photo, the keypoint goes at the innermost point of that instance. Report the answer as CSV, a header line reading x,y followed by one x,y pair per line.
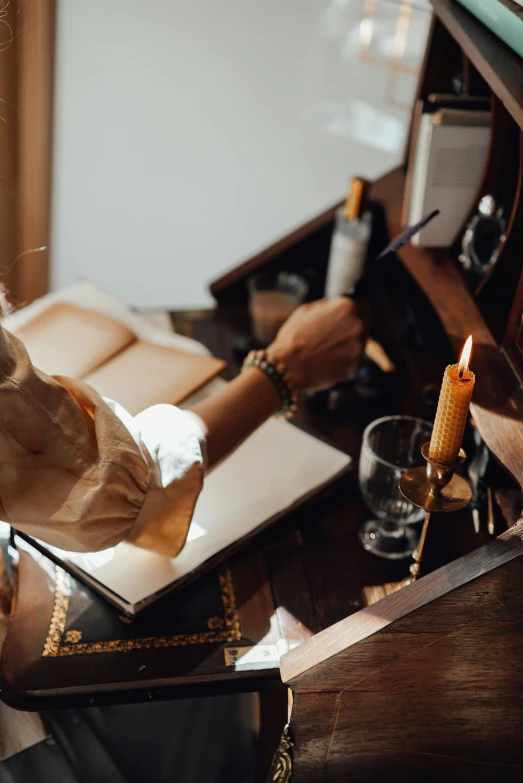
x,y
499,66
498,397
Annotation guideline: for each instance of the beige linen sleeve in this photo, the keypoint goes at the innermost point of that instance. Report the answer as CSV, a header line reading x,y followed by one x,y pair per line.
x,y
79,473
173,443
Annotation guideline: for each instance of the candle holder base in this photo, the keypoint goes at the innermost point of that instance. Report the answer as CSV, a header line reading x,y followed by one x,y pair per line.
x,y
417,488
436,487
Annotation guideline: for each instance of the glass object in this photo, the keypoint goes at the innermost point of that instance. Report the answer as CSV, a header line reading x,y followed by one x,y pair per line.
x,y
390,446
483,237
273,297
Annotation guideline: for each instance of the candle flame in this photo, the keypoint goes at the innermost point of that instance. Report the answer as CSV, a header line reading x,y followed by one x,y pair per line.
x,y
464,359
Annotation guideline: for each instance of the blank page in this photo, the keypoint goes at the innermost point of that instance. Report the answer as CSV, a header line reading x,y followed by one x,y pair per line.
x,y
276,468
146,374
68,340
450,169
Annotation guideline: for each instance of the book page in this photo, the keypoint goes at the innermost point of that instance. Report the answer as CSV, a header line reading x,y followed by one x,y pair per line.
x,y
146,374
419,169
67,340
272,471
416,120
449,180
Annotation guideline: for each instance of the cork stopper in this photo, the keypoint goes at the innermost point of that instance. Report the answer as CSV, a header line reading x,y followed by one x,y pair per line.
x,y
354,199
451,416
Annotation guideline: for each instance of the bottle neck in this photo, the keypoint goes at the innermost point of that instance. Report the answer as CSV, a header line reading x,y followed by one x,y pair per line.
x,y
354,201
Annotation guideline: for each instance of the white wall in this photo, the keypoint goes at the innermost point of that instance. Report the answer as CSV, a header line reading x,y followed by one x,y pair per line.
x,y
189,134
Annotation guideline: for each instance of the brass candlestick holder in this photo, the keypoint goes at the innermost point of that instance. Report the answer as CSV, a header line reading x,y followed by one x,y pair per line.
x,y
437,489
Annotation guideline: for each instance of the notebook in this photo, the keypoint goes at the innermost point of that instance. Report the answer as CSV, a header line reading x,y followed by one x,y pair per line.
x,y
447,168
67,339
273,471
470,110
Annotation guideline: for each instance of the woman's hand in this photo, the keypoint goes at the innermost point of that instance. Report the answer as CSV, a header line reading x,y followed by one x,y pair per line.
x,y
320,343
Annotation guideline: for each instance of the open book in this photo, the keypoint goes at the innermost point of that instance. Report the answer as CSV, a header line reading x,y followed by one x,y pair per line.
x,y
82,332
65,339
273,471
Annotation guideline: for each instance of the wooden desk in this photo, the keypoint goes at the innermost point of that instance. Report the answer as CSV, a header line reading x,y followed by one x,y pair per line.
x,y
66,647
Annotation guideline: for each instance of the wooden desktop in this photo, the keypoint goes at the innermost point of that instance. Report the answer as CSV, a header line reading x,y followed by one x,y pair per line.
x,y
384,693
66,647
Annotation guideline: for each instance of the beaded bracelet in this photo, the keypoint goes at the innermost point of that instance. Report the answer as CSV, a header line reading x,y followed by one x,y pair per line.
x,y
277,372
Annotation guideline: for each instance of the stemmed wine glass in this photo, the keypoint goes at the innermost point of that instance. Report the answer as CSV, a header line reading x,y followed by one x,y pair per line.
x,y
391,446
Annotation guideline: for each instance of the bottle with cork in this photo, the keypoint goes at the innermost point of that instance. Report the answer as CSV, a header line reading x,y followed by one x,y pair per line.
x,y
350,241
347,258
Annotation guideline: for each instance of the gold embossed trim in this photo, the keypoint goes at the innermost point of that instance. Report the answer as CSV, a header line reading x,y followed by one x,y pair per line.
x,y
281,769
59,616
232,618
59,645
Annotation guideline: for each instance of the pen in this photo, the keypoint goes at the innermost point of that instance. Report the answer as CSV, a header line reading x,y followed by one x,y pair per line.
x,y
360,289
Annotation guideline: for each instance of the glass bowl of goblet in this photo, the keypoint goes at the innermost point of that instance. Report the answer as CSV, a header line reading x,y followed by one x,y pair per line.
x,y
390,447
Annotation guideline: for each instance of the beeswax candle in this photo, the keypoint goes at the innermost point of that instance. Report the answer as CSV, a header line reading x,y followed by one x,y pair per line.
x,y
453,408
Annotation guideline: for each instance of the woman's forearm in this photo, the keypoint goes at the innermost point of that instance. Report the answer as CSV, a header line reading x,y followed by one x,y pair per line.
x,y
233,413
318,345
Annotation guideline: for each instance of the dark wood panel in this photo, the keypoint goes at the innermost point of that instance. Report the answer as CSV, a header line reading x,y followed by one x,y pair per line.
x,y
437,73
314,661
318,714
295,610
428,694
501,67
336,562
